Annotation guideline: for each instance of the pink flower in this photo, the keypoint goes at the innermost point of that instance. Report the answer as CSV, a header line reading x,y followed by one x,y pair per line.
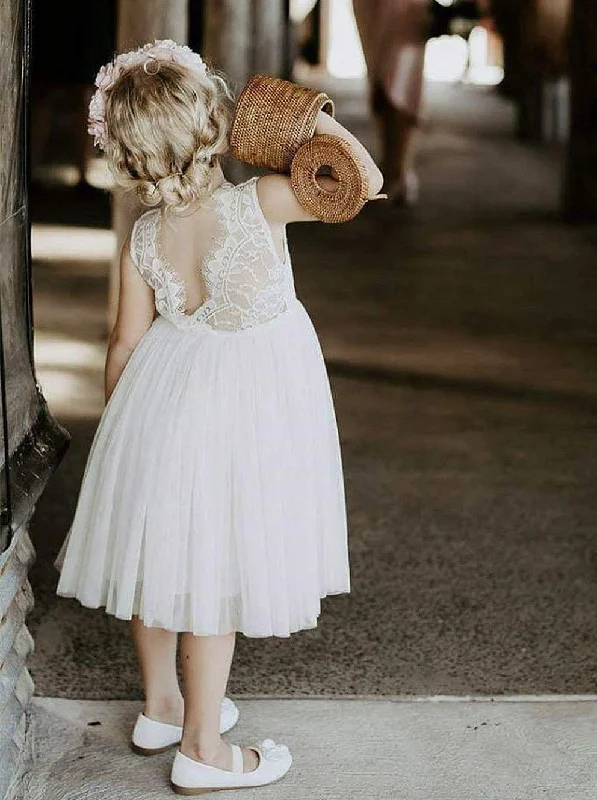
x,y
178,53
98,130
96,120
106,76
97,106
161,49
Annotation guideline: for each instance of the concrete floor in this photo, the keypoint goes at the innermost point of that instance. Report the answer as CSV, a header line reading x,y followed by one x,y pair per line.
x,y
460,340
343,750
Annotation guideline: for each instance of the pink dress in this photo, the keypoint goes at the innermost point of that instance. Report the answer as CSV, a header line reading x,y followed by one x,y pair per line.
x,y
393,34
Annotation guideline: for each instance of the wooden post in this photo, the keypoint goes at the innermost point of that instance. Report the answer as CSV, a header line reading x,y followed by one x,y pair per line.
x,y
534,33
580,182
530,88
506,15
269,33
228,44
246,36
228,38
140,21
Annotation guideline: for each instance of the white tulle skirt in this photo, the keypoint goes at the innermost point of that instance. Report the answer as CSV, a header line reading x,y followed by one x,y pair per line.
x,y
213,496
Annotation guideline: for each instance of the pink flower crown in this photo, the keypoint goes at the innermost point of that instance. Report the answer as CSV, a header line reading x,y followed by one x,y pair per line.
x,y
149,57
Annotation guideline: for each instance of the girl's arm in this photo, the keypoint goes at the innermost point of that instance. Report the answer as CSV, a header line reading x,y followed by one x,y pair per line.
x,y
327,124
276,196
135,315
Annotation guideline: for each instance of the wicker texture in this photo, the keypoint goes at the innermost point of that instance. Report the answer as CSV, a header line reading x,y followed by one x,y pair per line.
x,y
274,118
274,128
350,194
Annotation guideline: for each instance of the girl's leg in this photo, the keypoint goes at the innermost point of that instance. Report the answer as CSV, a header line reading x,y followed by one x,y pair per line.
x,y
206,664
156,649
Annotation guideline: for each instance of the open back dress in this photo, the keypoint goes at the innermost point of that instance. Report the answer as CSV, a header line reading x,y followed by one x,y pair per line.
x,y
213,497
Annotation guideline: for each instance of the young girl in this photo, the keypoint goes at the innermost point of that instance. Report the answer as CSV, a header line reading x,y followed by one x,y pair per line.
x,y
212,500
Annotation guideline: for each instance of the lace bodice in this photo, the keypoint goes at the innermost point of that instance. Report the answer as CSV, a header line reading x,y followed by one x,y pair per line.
x,y
246,282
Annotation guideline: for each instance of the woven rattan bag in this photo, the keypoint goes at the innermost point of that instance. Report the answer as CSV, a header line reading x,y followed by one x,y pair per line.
x,y
274,127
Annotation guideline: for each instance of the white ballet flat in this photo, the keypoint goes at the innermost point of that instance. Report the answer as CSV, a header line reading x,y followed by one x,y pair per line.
x,y
190,777
151,737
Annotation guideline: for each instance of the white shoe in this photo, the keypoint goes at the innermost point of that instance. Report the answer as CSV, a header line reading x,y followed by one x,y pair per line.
x,y
151,737
190,777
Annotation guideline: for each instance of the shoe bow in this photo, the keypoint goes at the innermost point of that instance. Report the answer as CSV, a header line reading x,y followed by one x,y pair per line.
x,y
272,751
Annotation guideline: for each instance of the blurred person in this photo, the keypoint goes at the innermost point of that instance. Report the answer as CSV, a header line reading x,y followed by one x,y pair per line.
x,y
212,500
393,35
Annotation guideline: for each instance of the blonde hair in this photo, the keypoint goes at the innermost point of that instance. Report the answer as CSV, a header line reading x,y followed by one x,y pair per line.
x,y
166,129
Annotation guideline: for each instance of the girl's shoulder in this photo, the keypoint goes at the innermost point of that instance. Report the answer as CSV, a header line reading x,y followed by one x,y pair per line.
x,y
244,186
262,188
247,183
243,195
144,219
142,236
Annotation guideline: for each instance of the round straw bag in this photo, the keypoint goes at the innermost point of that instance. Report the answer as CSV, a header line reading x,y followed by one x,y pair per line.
x,y
273,119
351,193
273,127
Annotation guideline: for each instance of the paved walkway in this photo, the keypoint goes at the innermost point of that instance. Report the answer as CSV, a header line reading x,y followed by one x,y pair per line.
x,y
460,340
343,750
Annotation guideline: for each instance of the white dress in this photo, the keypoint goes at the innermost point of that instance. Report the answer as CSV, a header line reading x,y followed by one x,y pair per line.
x,y
213,498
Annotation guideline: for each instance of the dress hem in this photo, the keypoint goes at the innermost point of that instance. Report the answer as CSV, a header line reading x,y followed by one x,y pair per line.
x,y
308,626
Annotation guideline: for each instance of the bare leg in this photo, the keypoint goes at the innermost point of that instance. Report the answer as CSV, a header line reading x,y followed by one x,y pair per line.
x,y
396,131
156,649
206,664
397,135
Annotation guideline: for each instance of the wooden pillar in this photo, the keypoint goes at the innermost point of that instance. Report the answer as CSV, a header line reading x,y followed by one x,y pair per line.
x,y
529,94
508,25
228,44
507,19
140,21
580,183
243,37
534,33
269,33
228,34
